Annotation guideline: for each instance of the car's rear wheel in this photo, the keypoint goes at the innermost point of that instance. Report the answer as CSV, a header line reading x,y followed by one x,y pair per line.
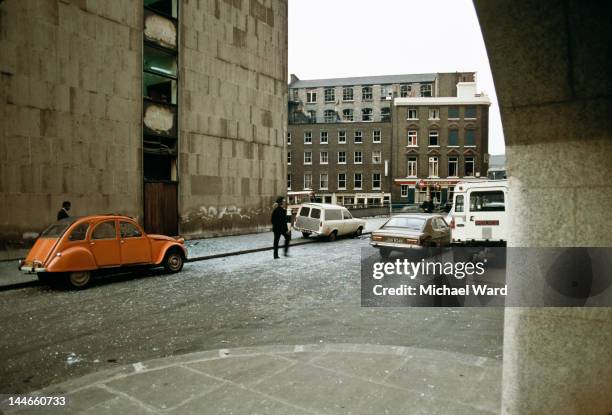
x,y
305,234
384,253
173,261
332,236
78,280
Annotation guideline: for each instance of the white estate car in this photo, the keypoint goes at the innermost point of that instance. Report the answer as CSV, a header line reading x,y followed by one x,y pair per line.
x,y
321,219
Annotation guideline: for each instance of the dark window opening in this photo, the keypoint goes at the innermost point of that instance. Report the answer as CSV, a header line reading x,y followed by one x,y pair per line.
x,y
158,88
159,145
159,167
167,7
159,62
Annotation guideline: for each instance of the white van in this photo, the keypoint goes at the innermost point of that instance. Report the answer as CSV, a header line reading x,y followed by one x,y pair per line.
x,y
479,215
321,219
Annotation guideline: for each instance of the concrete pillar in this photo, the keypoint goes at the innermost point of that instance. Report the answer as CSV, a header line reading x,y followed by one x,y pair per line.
x,y
551,61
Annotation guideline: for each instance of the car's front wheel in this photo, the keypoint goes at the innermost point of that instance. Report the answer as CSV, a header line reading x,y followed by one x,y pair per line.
x,y
358,232
305,234
78,280
173,262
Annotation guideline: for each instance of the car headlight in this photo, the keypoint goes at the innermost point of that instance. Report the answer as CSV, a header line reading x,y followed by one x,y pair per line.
x,y
377,238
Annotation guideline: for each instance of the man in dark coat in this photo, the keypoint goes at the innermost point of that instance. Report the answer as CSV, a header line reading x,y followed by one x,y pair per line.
x,y
279,226
427,205
63,213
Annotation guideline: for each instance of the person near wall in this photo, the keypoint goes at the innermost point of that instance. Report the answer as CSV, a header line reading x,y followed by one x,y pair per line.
x,y
427,205
63,212
279,226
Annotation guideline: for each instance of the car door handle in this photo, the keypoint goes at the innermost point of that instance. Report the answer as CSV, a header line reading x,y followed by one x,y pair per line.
x,y
122,241
92,243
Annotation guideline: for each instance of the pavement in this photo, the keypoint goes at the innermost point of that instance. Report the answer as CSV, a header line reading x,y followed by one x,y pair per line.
x,y
197,249
298,379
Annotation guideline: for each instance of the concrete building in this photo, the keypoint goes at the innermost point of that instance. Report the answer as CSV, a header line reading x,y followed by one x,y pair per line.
x,y
173,112
438,142
347,137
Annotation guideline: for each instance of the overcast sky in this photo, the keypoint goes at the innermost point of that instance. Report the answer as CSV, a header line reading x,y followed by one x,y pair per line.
x,y
341,38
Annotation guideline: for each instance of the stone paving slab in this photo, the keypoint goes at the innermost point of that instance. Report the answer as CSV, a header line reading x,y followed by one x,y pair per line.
x,y
302,379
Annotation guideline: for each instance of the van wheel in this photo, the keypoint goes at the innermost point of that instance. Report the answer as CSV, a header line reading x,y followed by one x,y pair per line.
x,y
305,234
358,232
332,236
384,253
173,261
78,280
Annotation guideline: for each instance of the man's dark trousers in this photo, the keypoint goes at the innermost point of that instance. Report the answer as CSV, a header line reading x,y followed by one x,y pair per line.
x,y
277,236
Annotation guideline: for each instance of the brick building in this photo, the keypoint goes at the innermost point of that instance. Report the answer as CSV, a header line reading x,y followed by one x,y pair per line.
x,y
343,134
170,111
437,142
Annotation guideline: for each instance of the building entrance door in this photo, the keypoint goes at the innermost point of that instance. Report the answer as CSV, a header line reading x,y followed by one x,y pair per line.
x,y
161,208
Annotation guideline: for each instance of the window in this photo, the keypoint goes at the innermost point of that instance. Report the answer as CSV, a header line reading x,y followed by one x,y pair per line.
x,y
358,180
333,214
470,140
312,115
453,138
358,137
341,137
305,211
289,157
289,181
433,138
307,181
453,112
433,167
376,157
105,230
487,201
307,157
167,7
434,114
79,233
413,114
315,213
323,137
160,62
386,92
405,90
366,114
385,114
288,138
330,94
129,230
426,90
470,112
453,166
323,181
307,137
347,115
366,93
341,181
323,157
404,190
412,138
375,181
341,157
311,96
459,204
469,166
412,167
347,93
347,201
358,157
345,213
329,116
376,136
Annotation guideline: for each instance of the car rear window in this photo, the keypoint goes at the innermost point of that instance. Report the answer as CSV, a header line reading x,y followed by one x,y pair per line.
x,y
333,214
487,201
415,224
304,211
58,228
315,213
